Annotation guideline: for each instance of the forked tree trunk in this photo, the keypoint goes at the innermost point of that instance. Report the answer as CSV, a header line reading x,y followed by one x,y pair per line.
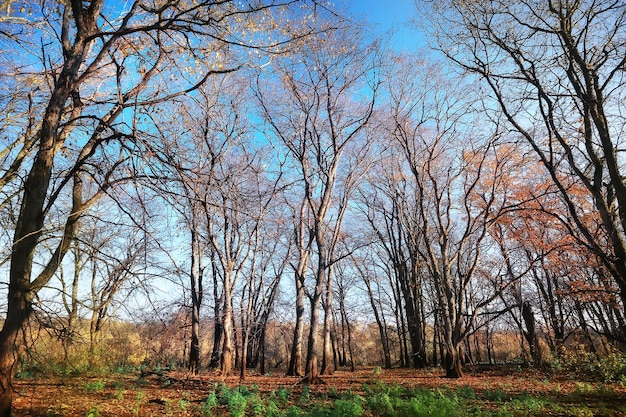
x,y
453,362
312,369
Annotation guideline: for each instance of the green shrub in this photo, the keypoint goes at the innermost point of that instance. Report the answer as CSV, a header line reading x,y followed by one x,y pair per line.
x,y
283,394
348,408
138,401
497,395
209,404
223,394
94,412
256,406
431,404
272,409
305,396
294,411
466,392
381,403
94,386
525,405
183,404
610,367
237,403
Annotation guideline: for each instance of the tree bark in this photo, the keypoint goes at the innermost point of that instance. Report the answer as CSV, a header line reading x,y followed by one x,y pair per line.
x,y
295,362
226,362
312,368
453,362
531,334
382,330
19,310
196,300
327,349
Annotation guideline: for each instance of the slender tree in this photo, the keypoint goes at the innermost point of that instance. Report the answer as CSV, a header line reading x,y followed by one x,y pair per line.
x,y
317,116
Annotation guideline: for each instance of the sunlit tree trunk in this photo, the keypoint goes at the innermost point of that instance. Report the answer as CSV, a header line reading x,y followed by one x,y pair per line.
x,y
196,301
295,361
226,360
312,372
303,239
327,349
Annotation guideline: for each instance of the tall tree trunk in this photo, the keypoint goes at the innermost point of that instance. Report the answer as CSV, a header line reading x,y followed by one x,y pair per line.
x,y
489,346
531,334
226,362
382,329
585,328
313,346
303,240
217,343
218,330
194,348
30,223
196,301
262,348
237,359
413,317
72,307
19,310
244,354
352,365
453,362
327,349
295,362
435,339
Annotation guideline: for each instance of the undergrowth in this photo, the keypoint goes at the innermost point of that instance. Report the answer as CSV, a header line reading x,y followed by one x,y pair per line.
x,y
376,400
585,365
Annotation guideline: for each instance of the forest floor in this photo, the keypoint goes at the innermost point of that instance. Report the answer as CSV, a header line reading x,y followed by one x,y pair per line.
x,y
495,391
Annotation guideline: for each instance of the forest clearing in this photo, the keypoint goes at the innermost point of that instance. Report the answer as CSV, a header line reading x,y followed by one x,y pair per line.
x,y
277,208
494,391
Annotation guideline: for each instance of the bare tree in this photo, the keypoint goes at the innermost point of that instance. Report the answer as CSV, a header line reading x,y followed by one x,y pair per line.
x,y
555,69
454,173
267,264
105,65
303,241
389,207
316,113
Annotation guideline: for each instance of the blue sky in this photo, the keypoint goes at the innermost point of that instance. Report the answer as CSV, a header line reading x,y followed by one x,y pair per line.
x,y
387,15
